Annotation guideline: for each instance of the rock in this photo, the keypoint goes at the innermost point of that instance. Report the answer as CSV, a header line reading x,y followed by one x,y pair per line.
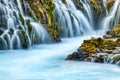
x,y
89,59
1,31
116,52
2,10
107,36
108,51
11,31
3,44
98,60
78,56
118,42
102,55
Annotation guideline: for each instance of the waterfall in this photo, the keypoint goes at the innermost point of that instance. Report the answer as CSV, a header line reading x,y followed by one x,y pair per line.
x,y
41,33
72,21
18,29
113,17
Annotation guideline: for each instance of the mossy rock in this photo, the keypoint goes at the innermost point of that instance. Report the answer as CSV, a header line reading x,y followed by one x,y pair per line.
x,y
118,42
109,4
91,45
115,32
21,18
98,11
44,10
64,1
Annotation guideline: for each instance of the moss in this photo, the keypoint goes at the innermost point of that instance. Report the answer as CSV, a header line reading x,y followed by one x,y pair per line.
x,y
109,4
53,33
64,1
118,42
21,1
78,4
30,27
31,13
44,10
115,32
24,40
21,18
91,45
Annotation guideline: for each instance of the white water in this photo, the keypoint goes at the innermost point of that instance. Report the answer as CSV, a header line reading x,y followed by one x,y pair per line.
x,y
42,34
46,62
72,21
113,17
10,11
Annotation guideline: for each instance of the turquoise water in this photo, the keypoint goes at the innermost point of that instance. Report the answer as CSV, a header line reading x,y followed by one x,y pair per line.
x,y
46,62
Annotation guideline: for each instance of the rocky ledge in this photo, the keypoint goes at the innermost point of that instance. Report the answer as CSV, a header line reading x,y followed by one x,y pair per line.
x,y
102,50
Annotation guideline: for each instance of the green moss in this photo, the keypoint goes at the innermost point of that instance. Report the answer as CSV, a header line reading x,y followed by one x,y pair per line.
x,y
115,32
31,13
44,10
21,18
109,4
91,45
30,27
64,1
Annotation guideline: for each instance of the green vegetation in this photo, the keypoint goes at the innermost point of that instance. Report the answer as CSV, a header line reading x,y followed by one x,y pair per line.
x,y
109,4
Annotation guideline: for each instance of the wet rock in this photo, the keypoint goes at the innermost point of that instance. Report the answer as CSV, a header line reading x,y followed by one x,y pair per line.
x,y
3,44
116,51
108,51
2,10
1,31
58,39
78,56
98,60
11,31
107,36
88,59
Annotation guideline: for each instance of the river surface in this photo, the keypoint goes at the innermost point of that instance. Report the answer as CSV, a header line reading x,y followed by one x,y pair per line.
x,y
47,62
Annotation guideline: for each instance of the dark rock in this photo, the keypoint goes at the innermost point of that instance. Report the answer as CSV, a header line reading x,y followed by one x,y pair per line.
x,y
11,31
58,39
99,60
80,55
1,31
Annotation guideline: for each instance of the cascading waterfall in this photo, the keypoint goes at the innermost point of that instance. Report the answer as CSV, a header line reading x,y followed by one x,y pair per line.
x,y
87,8
75,22
20,30
72,21
17,26
40,33
113,17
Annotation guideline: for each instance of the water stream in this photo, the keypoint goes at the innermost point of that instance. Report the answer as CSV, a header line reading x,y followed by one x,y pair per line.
x,y
46,62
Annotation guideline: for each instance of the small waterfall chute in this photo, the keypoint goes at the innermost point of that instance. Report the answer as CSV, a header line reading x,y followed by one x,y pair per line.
x,y
113,17
41,33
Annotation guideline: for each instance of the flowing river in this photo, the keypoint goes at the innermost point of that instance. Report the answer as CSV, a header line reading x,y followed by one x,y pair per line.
x,y
47,62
